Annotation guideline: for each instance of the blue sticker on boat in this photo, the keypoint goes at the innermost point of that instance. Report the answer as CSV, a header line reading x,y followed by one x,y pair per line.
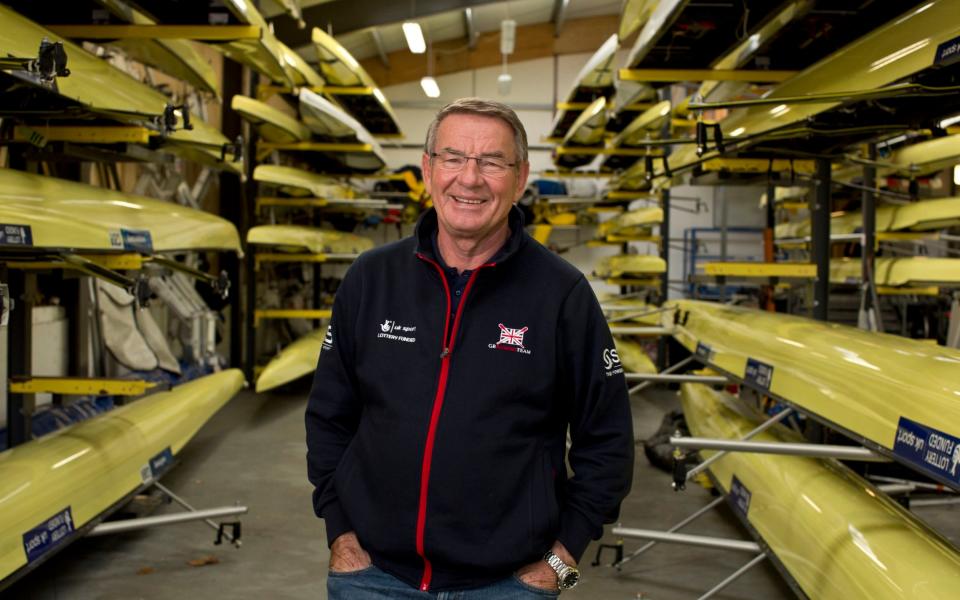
x,y
704,351
759,373
161,462
932,450
137,240
15,235
45,536
740,497
948,52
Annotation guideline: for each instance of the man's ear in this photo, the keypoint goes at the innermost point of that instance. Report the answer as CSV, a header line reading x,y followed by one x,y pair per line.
x,y
522,179
425,168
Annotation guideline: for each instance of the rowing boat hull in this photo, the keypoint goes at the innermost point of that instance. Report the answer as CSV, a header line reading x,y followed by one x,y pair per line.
x,y
632,356
899,271
80,473
262,54
594,79
834,534
318,241
891,53
339,68
293,362
630,264
632,221
93,83
64,215
179,58
273,124
863,383
297,182
587,131
927,215
328,122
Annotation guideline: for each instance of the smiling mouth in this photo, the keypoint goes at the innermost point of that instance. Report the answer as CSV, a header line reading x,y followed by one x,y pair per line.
x,y
462,200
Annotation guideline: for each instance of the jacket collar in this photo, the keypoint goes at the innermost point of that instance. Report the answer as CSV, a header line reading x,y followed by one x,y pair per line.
x,y
427,227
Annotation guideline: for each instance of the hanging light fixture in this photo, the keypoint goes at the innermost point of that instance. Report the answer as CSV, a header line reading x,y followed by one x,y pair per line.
x,y
508,36
414,34
428,83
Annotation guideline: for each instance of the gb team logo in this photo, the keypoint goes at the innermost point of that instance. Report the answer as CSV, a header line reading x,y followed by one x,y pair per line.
x,y
511,339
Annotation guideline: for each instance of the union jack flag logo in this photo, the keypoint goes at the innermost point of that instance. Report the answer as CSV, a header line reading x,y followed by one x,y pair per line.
x,y
511,336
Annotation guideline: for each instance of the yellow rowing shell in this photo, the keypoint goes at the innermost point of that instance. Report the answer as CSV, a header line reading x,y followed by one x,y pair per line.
x,y
926,215
64,215
293,362
298,182
836,535
296,238
93,83
78,474
273,124
873,386
899,271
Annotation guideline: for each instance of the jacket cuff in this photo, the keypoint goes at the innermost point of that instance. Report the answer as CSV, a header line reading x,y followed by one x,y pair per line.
x,y
336,521
575,533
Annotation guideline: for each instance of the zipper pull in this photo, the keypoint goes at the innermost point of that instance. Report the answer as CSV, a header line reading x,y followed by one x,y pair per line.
x,y
445,353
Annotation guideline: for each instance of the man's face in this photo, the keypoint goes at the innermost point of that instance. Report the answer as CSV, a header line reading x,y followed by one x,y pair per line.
x,y
470,204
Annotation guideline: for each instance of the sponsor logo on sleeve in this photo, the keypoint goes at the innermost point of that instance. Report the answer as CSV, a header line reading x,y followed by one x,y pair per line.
x,y
934,451
393,331
611,362
45,536
511,339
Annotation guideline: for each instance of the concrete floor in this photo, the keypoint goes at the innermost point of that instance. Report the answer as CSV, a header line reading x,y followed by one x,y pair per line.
x,y
252,452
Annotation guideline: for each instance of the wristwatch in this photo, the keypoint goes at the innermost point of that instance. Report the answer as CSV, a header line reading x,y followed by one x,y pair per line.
x,y
567,576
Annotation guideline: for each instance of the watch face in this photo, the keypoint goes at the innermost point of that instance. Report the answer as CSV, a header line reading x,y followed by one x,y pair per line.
x,y
570,579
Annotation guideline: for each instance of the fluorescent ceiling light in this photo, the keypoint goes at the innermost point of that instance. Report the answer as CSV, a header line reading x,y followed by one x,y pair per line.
x,y
956,175
414,35
430,87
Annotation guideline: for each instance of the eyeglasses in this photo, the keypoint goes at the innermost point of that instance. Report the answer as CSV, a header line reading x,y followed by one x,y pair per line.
x,y
487,165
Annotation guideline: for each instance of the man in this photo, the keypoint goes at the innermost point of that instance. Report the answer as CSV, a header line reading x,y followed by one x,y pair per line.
x,y
454,364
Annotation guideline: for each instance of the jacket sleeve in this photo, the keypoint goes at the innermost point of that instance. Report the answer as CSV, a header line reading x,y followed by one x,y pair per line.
x,y
601,424
333,407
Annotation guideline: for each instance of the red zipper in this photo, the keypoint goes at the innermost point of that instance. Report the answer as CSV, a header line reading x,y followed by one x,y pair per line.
x,y
448,342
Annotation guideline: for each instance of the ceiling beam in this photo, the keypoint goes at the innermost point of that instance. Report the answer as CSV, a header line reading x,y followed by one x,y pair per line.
x,y
533,41
344,16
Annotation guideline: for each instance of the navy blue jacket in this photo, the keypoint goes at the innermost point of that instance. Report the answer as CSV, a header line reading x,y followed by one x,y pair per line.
x,y
440,437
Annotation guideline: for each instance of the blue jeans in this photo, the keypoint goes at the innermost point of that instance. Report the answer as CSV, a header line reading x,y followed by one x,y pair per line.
x,y
373,584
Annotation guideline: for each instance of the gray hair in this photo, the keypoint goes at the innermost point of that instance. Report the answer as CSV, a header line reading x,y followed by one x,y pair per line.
x,y
487,108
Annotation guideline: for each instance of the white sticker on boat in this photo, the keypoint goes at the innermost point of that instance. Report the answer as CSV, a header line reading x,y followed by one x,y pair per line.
x,y
758,373
15,235
704,351
934,451
161,462
740,497
45,536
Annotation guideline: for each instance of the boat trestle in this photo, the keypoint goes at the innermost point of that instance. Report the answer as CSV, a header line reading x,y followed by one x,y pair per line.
x,y
230,530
